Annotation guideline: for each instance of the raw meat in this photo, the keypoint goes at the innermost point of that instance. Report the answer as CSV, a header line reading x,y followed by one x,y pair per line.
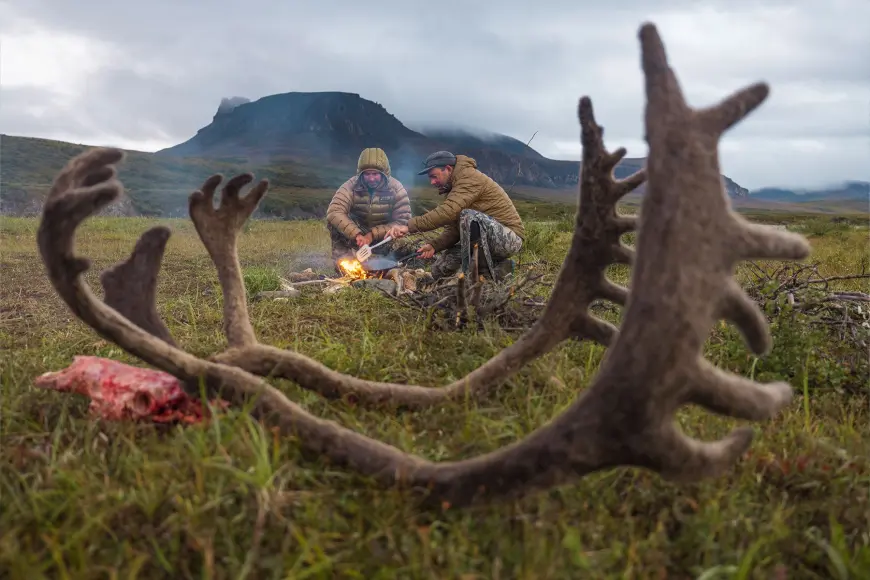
x,y
122,392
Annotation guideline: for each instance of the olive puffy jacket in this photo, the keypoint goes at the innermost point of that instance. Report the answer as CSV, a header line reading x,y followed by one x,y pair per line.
x,y
470,189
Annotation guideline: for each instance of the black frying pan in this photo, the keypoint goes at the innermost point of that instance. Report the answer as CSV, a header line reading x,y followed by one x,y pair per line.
x,y
378,263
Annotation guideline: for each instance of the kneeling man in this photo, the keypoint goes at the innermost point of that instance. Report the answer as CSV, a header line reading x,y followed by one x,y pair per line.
x,y
476,211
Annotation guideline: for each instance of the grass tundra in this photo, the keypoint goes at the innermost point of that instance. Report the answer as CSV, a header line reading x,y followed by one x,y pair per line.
x,y
80,498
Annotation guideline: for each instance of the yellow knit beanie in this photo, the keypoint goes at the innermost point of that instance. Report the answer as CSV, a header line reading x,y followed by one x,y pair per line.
x,y
373,158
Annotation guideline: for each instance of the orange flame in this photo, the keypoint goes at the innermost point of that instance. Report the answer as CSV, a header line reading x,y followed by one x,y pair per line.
x,y
352,269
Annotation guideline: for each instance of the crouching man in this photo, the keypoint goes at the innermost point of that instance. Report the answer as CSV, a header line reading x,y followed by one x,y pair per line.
x,y
476,211
365,207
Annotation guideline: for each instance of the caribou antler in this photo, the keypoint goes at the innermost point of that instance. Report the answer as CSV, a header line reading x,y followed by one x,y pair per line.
x,y
689,242
595,245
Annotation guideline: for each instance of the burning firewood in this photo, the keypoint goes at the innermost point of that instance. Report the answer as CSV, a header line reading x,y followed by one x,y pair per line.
x,y
394,281
352,269
449,303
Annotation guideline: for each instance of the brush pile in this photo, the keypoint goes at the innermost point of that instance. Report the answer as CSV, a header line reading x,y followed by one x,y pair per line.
x,y
514,303
799,287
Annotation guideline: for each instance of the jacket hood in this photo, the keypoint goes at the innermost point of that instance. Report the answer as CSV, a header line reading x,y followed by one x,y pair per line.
x,y
463,163
373,158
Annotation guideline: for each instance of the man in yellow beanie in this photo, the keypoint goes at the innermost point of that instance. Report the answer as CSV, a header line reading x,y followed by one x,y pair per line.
x,y
366,206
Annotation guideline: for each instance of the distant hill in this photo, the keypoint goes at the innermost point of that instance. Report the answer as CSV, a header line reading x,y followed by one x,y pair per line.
x,y
848,191
156,185
326,127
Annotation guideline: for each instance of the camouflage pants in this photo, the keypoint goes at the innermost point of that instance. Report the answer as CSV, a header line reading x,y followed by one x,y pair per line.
x,y
496,244
343,247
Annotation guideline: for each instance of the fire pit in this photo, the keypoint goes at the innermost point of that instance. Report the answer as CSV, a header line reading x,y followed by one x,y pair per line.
x,y
382,273
376,267
449,303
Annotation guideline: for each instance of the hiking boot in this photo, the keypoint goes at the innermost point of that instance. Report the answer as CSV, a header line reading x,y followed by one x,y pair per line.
x,y
505,268
502,269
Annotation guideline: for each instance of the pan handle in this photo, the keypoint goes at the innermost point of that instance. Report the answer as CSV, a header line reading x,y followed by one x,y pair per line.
x,y
406,256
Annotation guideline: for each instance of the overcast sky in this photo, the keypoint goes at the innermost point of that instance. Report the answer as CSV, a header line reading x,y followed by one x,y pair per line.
x,y
150,74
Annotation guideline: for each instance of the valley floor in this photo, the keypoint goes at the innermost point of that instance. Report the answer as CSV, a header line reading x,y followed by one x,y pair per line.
x,y
81,498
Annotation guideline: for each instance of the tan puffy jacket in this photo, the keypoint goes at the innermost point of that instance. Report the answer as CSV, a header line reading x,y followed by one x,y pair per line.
x,y
353,211
470,189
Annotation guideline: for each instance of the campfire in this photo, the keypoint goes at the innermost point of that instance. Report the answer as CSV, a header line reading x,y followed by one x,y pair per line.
x,y
449,303
352,269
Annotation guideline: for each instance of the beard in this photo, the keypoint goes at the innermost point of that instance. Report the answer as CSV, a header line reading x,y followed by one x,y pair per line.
x,y
444,189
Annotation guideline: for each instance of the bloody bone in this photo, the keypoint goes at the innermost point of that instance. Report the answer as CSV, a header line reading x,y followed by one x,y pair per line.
x,y
119,391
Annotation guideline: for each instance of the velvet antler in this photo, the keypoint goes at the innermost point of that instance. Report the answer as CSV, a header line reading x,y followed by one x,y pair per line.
x,y
689,242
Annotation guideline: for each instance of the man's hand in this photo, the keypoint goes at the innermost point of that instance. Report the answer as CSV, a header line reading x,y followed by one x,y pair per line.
x,y
426,251
362,240
398,232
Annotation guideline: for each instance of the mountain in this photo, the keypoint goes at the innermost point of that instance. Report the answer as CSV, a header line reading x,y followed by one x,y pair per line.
x,y
307,144
848,191
331,128
327,127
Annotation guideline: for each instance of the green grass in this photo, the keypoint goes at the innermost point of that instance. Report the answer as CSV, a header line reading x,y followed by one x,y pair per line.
x,y
260,279
81,498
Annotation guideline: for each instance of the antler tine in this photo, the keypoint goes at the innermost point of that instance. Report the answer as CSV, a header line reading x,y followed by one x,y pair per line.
x,y
219,230
730,111
131,286
663,91
582,280
93,177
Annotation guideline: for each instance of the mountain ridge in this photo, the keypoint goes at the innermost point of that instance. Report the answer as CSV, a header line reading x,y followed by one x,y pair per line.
x,y
846,190
332,127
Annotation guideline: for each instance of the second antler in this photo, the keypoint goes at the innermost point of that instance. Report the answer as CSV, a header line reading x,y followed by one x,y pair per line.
x,y
689,242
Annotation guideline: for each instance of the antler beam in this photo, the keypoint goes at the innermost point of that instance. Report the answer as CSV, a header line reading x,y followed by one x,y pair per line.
x,y
689,242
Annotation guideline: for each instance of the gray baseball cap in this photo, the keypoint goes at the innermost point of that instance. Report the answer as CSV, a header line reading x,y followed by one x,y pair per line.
x,y
438,159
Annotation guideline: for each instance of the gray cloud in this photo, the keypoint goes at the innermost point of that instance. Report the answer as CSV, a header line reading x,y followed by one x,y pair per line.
x,y
514,67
